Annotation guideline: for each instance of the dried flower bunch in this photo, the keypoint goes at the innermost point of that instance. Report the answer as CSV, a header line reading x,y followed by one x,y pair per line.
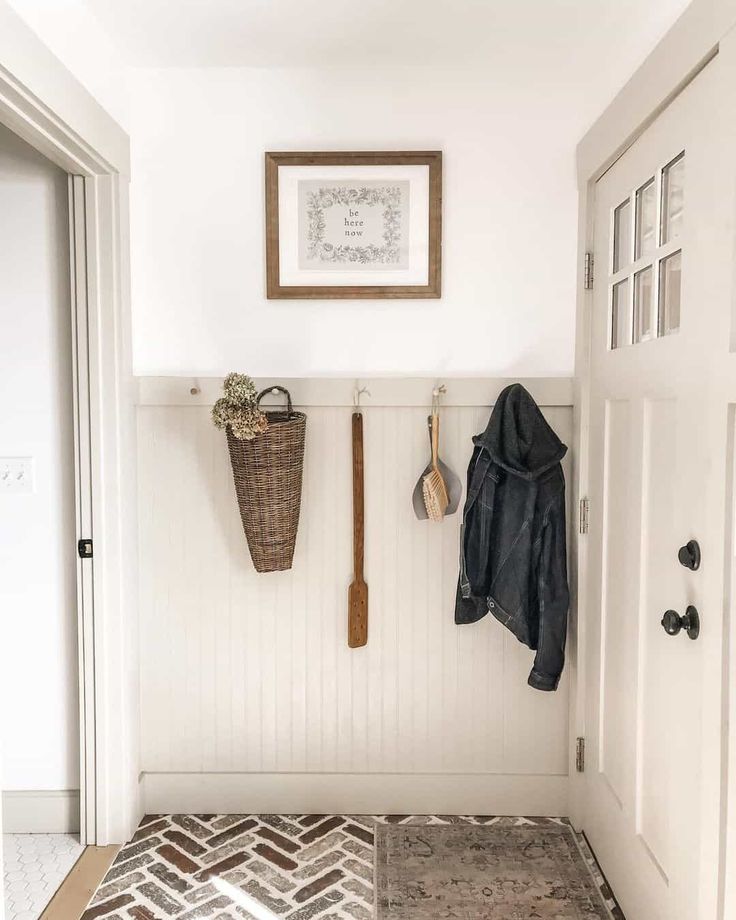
x,y
238,408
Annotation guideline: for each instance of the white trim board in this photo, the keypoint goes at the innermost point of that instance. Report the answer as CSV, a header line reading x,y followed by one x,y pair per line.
x,y
691,42
339,391
43,104
41,811
354,793
50,109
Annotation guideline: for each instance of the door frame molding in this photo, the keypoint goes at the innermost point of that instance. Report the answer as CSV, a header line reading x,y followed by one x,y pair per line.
x,y
701,33
42,103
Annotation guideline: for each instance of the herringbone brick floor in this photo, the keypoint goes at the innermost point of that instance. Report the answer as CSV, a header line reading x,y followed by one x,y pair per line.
x,y
264,867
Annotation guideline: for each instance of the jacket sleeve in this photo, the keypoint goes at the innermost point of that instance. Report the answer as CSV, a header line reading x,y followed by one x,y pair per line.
x,y
554,599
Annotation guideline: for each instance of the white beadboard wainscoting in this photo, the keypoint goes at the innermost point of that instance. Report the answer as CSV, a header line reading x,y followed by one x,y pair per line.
x,y
252,700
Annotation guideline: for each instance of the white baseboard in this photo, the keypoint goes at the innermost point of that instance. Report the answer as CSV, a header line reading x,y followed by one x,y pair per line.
x,y
41,811
354,793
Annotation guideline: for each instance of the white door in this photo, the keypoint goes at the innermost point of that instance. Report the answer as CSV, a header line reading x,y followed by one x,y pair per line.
x,y
658,305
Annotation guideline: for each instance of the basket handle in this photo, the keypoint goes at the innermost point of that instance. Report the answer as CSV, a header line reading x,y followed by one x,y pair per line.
x,y
276,389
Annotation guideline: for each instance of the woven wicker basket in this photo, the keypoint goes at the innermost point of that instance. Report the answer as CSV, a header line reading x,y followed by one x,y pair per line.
x,y
268,482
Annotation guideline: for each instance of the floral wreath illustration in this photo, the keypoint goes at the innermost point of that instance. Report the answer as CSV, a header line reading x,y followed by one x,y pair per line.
x,y
388,196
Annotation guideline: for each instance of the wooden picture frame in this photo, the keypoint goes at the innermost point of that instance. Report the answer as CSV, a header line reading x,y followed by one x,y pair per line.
x,y
298,230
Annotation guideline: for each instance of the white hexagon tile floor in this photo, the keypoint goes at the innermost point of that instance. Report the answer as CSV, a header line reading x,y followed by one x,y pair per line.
x,y
35,865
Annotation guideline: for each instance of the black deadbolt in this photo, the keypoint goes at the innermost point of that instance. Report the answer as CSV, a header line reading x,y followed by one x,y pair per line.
x,y
673,622
689,555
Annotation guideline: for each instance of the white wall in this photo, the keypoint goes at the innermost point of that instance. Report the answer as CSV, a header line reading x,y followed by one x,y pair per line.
x,y
198,139
38,673
250,675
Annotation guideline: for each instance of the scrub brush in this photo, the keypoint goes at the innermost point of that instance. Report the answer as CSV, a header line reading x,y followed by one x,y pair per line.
x,y
433,485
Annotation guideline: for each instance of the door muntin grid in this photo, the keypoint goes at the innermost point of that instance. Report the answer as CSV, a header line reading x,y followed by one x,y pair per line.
x,y
645,259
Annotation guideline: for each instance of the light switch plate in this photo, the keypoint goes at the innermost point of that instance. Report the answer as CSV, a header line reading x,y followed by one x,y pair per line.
x,y
16,475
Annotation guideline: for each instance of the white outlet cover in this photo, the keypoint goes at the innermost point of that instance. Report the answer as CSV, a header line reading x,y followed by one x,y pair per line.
x,y
16,476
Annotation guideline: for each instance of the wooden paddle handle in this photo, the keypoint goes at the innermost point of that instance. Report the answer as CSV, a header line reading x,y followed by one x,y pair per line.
x,y
358,497
435,439
358,593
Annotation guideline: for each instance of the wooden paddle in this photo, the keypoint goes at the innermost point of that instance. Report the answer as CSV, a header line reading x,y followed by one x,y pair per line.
x,y
358,592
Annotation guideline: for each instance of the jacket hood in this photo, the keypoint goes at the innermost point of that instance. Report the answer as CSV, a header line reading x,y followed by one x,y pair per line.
x,y
518,437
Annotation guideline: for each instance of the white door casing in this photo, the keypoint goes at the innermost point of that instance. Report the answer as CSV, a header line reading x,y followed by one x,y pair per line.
x,y
656,441
84,499
42,103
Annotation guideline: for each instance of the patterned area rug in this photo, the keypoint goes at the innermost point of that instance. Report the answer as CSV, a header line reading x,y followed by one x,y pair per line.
x,y
263,867
525,872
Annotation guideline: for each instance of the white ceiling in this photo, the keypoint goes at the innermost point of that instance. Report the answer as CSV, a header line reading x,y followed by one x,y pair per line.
x,y
570,40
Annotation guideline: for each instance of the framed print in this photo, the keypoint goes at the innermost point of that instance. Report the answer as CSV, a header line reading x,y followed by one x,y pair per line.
x,y
346,225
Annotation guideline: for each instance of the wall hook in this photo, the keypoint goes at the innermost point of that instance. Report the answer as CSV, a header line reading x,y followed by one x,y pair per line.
x,y
437,392
358,392
194,389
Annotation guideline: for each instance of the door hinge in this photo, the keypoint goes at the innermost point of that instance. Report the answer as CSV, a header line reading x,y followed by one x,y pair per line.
x,y
588,271
85,549
580,755
583,515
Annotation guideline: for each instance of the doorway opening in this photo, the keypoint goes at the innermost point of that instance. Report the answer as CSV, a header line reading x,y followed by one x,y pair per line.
x,y
40,729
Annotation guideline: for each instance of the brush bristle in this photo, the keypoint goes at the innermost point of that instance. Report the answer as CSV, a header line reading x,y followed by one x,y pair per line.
x,y
435,495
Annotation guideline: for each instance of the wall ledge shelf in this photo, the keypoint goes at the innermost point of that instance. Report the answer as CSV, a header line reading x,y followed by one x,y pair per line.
x,y
334,392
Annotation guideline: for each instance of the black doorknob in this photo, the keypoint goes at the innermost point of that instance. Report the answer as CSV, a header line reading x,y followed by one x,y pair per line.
x,y
689,555
673,622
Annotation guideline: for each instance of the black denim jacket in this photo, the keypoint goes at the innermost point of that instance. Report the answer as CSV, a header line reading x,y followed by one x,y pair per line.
x,y
513,557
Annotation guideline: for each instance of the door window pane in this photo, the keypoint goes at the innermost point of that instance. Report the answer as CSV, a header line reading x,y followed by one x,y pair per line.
x,y
673,176
622,235
620,314
669,293
646,220
644,325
